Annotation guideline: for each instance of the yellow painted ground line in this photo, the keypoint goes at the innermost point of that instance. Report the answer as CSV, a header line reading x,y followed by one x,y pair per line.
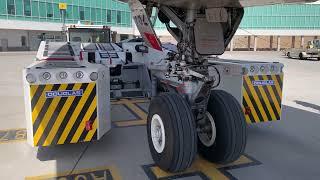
x,y
142,120
13,135
112,169
209,169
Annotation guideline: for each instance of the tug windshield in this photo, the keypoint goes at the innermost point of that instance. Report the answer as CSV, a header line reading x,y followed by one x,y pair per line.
x,y
89,35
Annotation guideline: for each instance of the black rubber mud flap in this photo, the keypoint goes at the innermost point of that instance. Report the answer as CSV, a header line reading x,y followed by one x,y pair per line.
x,y
180,132
231,129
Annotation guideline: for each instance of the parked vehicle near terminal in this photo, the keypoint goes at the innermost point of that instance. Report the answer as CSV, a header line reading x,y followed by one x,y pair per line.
x,y
312,51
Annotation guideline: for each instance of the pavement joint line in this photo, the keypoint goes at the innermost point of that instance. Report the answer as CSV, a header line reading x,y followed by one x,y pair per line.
x,y
108,172
203,169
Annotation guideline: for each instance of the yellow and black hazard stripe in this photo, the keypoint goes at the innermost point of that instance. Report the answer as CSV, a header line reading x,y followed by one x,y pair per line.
x,y
63,119
262,102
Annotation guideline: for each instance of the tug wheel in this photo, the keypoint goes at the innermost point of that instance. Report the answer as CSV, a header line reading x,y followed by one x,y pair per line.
x,y
171,132
301,57
288,55
230,129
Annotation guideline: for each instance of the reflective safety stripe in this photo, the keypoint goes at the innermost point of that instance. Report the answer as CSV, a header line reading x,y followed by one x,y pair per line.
x,y
262,96
86,118
61,119
38,100
75,114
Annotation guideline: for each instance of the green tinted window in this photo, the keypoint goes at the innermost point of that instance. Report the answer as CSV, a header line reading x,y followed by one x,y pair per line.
x,y
19,7
42,10
87,14
49,10
82,2
3,8
108,15
93,14
35,8
113,16
87,3
11,7
69,13
27,7
119,17
81,13
75,11
56,11
104,16
285,16
99,13
103,4
98,3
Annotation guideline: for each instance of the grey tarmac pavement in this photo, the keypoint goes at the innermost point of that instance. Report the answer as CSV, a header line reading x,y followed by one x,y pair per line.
x,y
286,149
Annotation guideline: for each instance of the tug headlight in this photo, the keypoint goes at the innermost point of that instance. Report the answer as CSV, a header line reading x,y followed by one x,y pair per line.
x,y
264,69
79,75
273,69
63,75
244,71
94,76
31,78
253,69
46,75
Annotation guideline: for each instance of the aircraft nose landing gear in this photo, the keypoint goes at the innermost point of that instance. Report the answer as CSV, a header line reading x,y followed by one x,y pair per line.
x,y
178,116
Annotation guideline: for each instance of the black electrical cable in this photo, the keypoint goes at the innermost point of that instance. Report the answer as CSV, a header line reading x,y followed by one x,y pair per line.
x,y
80,157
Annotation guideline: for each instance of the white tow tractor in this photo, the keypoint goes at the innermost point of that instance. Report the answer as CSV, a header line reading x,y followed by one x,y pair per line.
x,y
128,78
199,103
312,51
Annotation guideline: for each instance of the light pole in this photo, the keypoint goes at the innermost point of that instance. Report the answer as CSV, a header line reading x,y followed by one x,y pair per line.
x,y
63,12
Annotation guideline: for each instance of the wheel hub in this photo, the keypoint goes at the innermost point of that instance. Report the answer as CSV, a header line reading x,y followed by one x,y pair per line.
x,y
157,133
207,131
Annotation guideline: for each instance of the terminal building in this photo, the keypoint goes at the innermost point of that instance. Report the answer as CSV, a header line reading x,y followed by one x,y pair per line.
x,y
24,23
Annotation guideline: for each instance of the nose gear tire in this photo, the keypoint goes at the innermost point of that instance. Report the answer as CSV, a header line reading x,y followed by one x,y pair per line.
x,y
180,146
231,129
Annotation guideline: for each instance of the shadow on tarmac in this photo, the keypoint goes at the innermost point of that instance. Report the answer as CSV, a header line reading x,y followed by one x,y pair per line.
x,y
287,149
306,104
